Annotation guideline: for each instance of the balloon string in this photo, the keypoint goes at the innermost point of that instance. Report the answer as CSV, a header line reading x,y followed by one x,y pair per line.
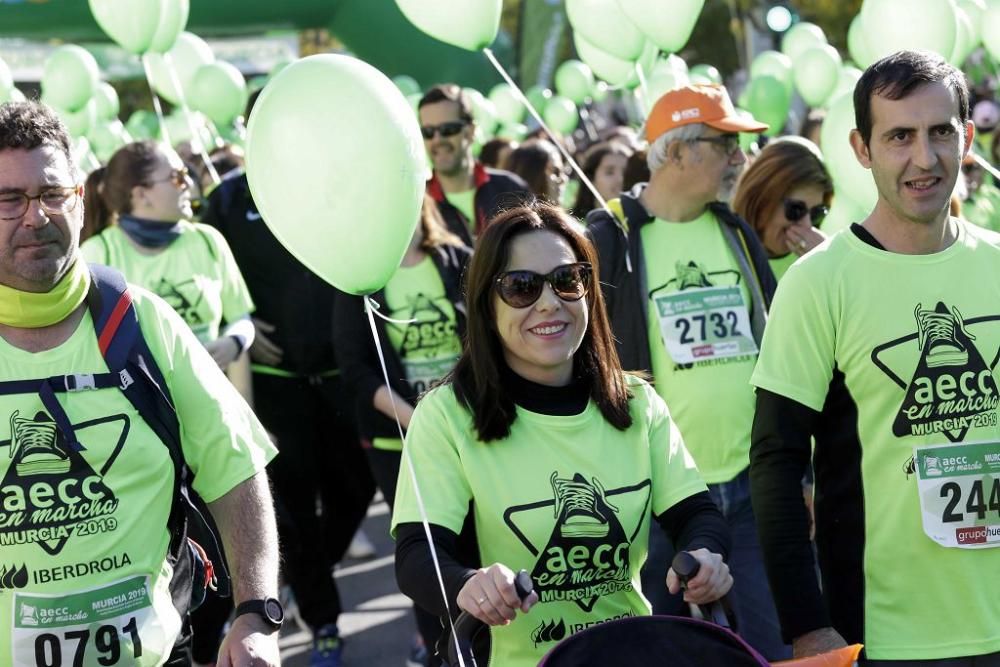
x,y
413,479
375,307
643,87
189,117
156,100
984,163
569,158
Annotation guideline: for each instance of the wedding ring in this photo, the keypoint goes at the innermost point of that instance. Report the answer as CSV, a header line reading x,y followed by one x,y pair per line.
x,y
480,601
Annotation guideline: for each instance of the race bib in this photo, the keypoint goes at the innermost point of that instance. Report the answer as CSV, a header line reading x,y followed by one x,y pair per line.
x,y
960,493
705,323
422,373
110,625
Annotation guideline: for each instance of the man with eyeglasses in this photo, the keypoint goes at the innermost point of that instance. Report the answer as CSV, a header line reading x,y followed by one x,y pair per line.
x,y
95,565
882,348
688,286
466,192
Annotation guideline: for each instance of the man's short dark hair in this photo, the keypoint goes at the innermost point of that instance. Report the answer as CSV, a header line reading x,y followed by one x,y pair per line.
x,y
28,125
896,76
448,92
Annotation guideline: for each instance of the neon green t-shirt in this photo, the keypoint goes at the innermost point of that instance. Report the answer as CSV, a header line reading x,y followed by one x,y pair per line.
x,y
567,498
700,339
196,274
779,265
429,347
917,338
86,531
465,202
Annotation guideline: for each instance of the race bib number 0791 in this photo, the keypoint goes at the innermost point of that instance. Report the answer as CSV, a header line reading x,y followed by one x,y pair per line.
x,y
99,627
960,494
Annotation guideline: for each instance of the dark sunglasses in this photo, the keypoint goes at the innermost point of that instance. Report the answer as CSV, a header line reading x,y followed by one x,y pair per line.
x,y
795,209
449,129
520,289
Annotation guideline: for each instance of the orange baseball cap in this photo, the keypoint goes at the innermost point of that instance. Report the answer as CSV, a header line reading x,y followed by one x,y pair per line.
x,y
697,103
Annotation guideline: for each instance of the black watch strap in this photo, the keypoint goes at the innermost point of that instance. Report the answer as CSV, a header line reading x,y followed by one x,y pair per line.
x,y
269,609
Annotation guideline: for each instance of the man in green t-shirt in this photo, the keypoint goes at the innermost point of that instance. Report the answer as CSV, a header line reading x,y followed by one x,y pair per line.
x,y
883,345
687,287
467,193
86,485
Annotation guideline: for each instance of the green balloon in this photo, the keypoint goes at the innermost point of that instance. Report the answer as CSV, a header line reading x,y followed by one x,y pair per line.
x,y
106,98
603,24
173,20
600,92
846,81
406,84
70,78
142,124
6,78
850,179
768,102
539,98
668,28
801,37
561,115
131,24
773,64
80,121
467,24
991,30
707,71
509,107
302,138
188,54
964,38
515,131
668,74
974,9
574,81
647,61
857,43
219,91
106,137
483,111
748,140
613,70
816,71
894,25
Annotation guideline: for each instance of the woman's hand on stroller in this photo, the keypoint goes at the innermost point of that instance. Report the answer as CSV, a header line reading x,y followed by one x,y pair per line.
x,y
711,583
490,596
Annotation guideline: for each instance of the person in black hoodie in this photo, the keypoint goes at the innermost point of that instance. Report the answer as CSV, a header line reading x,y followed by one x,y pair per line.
x,y
301,400
420,323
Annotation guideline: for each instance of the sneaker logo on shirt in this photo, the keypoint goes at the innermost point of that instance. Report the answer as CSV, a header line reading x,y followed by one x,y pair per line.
x,y
586,548
951,387
50,492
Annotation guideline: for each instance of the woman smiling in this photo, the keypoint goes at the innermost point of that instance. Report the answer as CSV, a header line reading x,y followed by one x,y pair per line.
x,y
555,456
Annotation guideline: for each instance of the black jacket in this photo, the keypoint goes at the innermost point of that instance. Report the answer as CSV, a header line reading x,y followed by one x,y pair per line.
x,y
287,294
619,247
358,358
496,190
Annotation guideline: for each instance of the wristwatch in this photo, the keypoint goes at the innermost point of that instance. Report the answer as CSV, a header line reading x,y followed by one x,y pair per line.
x,y
268,609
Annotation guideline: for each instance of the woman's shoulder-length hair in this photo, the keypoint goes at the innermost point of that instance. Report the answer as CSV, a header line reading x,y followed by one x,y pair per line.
x,y
476,378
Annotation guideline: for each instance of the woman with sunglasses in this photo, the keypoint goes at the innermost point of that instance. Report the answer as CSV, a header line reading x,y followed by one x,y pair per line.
x,y
554,456
145,191
784,195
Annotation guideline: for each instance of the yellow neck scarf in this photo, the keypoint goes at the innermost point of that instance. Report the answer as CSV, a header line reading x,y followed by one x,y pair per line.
x,y
33,310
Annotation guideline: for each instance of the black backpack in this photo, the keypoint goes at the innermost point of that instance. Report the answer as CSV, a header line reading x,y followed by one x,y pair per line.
x,y
133,371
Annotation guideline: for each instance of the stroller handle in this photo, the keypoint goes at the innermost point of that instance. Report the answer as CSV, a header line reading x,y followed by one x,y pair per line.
x,y
686,567
468,626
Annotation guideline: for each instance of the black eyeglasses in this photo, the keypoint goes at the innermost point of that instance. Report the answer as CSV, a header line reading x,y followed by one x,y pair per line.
x,y
55,201
449,129
520,289
729,143
795,209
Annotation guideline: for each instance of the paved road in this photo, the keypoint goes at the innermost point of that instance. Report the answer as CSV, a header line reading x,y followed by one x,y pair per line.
x,y
378,624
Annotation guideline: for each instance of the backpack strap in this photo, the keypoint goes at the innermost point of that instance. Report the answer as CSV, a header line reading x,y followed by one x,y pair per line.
x,y
128,357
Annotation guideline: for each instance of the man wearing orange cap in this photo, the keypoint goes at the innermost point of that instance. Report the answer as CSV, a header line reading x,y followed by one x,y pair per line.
x,y
688,287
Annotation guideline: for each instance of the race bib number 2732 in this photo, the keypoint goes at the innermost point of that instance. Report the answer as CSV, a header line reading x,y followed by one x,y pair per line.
x,y
87,628
705,323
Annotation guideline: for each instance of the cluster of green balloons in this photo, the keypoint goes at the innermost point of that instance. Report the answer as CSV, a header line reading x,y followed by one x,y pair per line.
x,y
302,138
951,28
142,26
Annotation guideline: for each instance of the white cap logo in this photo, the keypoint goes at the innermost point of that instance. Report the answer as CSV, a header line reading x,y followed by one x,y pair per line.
x,y
685,114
